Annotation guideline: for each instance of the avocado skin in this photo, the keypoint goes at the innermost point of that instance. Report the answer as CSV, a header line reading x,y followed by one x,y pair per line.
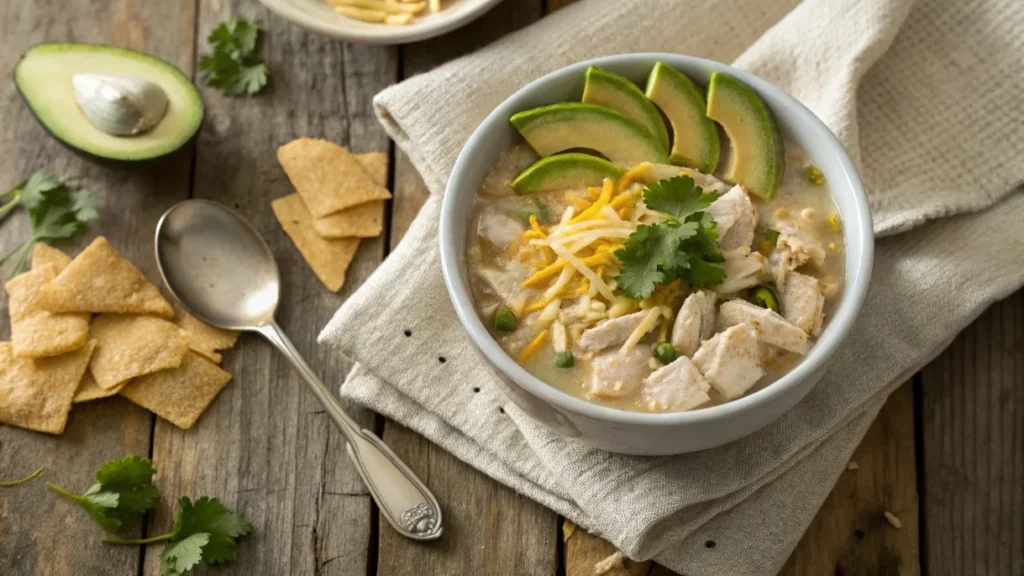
x,y
536,175
116,163
596,78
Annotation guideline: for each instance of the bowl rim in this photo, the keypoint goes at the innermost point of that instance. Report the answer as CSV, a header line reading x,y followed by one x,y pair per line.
x,y
840,325
386,35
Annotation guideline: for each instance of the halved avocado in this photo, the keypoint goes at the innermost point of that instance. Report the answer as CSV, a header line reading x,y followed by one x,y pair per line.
x,y
561,171
696,137
43,77
558,127
616,92
757,158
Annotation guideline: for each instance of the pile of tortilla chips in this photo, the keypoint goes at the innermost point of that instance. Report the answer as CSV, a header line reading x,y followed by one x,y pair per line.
x,y
340,200
93,327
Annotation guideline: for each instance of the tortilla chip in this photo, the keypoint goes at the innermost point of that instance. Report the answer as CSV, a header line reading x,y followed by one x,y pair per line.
x,y
43,254
327,177
182,394
202,334
88,389
36,394
329,258
363,221
128,346
100,280
35,332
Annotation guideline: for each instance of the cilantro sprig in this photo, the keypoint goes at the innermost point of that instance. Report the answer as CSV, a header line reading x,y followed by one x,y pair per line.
x,y
20,481
683,245
57,209
235,67
203,531
123,492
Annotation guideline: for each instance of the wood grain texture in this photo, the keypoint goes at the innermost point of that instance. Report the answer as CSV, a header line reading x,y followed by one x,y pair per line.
x,y
850,534
973,435
583,550
266,447
488,528
35,524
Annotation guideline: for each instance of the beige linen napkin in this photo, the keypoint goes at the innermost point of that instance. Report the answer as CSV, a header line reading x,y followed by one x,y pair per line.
x,y
925,95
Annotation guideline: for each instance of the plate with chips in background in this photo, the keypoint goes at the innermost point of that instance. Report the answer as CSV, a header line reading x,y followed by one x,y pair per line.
x,y
380,21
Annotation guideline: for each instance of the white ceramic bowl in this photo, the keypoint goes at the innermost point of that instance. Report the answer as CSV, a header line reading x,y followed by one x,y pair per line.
x,y
319,17
634,432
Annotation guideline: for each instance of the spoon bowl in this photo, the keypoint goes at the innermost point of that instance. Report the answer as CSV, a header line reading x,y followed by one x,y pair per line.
x,y
219,268
217,265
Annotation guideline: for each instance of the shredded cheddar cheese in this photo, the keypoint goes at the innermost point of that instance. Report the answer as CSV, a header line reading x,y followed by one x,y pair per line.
x,y
534,345
628,178
646,325
602,200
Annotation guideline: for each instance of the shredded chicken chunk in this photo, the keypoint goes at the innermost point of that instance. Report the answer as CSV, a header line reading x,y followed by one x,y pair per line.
x,y
614,374
767,325
794,248
803,303
736,219
743,269
676,387
730,361
611,332
695,322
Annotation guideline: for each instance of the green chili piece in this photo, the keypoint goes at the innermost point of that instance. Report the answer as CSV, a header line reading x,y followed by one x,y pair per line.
x,y
504,319
766,297
565,359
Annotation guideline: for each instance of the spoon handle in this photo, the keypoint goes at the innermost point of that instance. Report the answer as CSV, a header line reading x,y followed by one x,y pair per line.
x,y
402,497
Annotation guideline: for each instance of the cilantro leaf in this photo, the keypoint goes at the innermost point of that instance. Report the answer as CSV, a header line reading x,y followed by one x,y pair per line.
x,y
57,209
204,530
234,67
677,197
124,491
684,245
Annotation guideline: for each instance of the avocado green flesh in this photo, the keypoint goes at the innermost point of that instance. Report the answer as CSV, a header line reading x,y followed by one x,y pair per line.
x,y
695,142
558,127
43,76
757,158
616,92
563,171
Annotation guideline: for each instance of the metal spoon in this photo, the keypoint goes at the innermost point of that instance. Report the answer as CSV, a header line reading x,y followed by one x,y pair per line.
x,y
220,269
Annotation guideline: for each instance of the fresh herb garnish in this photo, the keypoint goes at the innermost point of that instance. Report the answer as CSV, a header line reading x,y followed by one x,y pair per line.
x,y
203,531
123,491
683,245
57,209
32,476
235,67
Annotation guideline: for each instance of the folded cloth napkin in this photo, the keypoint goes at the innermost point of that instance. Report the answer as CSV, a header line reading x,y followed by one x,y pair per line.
x,y
925,97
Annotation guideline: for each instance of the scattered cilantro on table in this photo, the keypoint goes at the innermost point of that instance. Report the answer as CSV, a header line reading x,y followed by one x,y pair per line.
x,y
683,245
20,481
123,491
203,531
57,209
235,67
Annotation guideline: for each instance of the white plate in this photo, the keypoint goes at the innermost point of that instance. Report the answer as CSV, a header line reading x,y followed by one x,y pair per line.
x,y
320,17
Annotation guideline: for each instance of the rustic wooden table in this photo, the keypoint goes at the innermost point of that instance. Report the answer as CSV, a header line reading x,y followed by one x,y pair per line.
x,y
946,454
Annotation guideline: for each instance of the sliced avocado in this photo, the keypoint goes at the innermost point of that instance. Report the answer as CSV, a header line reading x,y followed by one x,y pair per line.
x,y
43,77
695,141
757,156
552,129
561,171
616,92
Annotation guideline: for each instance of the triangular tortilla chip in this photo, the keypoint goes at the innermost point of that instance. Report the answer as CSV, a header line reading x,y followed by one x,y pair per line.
x,y
128,346
363,221
35,332
202,334
327,177
182,394
43,254
88,389
36,394
100,280
329,259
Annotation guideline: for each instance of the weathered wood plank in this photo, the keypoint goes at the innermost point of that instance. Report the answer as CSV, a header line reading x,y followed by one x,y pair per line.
x,y
41,533
488,528
583,551
973,445
266,447
850,534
